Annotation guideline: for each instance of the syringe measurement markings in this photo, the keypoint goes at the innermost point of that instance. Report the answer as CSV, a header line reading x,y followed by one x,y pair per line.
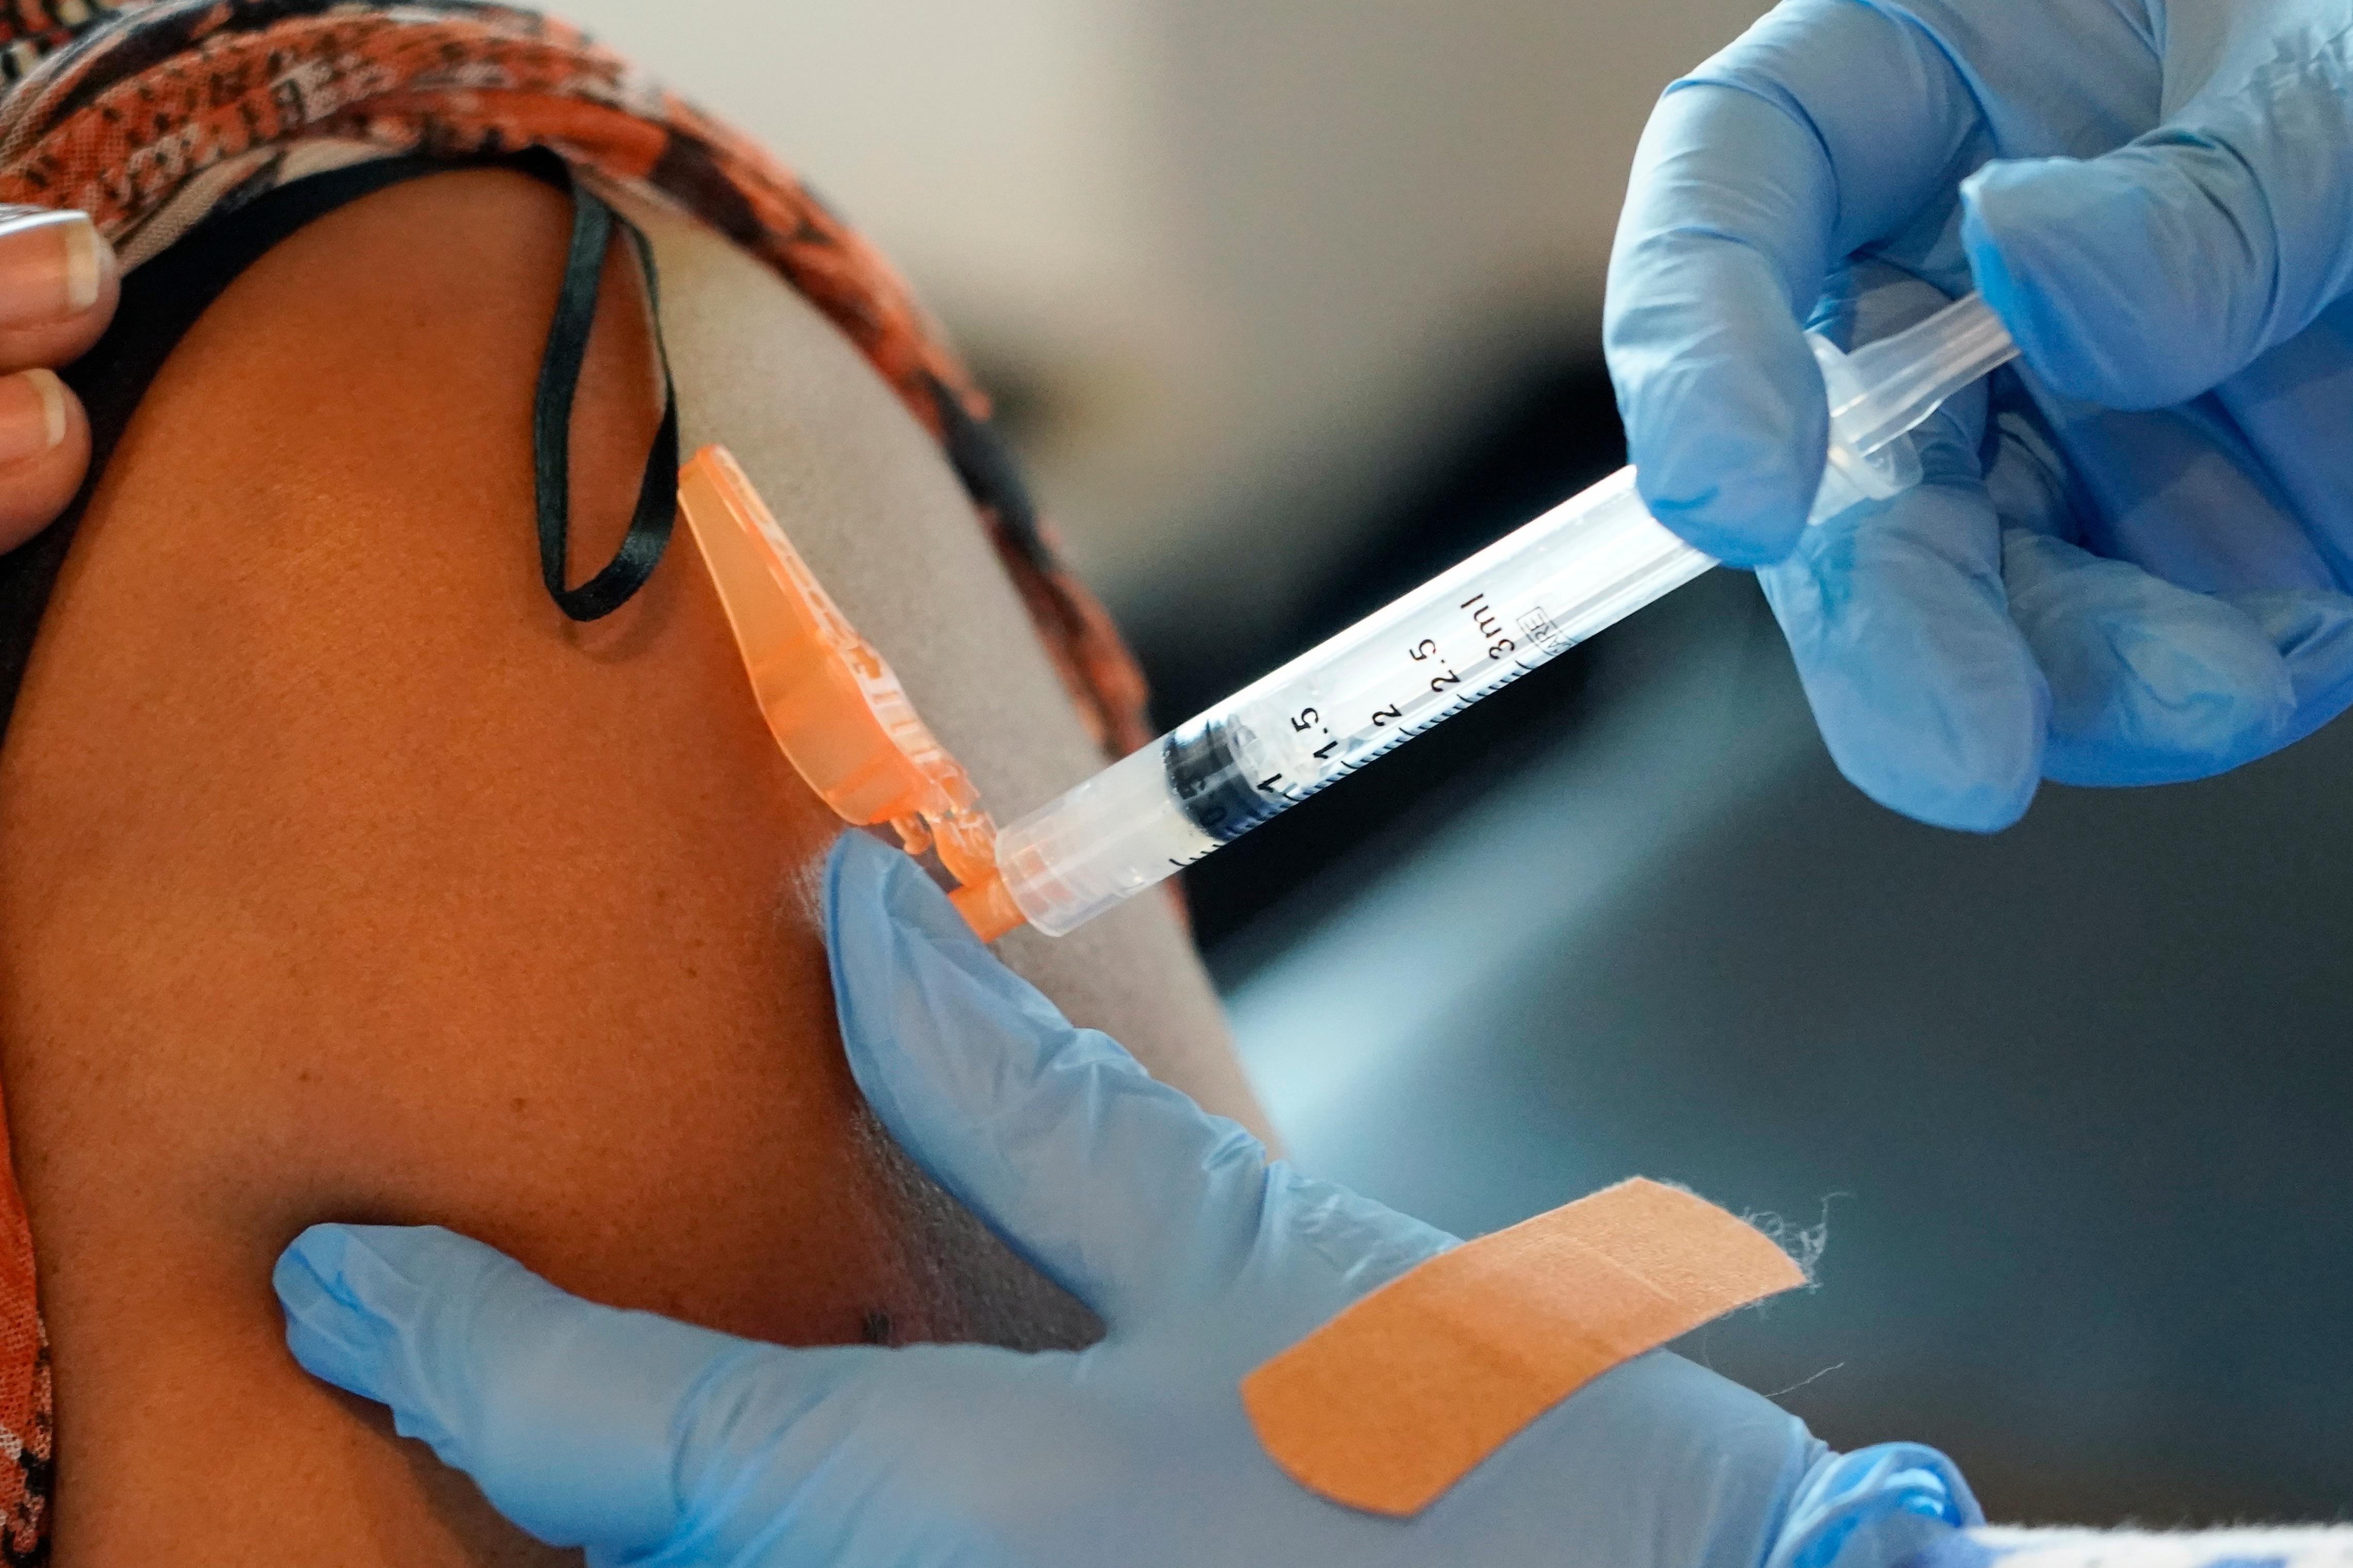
x,y
1490,625
1410,723
1486,623
1392,739
1441,689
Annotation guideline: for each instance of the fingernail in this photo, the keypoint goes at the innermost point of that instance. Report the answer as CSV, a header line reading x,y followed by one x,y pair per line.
x,y
32,413
49,267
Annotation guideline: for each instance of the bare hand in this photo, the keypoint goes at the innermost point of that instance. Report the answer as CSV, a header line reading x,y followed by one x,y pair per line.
x,y
58,285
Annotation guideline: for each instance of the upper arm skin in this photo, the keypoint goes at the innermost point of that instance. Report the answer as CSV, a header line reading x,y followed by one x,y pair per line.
x,y
869,501
341,878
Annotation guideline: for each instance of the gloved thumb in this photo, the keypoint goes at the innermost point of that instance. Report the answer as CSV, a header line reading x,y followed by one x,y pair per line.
x,y
578,1422
2143,278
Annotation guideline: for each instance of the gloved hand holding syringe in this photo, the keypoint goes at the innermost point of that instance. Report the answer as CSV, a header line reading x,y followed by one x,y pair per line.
x,y
1587,563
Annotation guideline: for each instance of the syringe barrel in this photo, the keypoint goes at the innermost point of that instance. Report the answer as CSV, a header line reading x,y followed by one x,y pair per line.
x,y
1900,380
1528,597
1100,843
1533,594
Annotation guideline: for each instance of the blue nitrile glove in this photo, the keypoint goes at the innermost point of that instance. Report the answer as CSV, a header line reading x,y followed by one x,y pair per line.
x,y
2157,196
649,1441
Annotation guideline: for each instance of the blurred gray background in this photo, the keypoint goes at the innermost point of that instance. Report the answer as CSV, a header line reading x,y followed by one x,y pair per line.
x,y
1291,302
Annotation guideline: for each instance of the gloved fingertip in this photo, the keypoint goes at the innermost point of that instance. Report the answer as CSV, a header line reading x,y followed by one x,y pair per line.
x,y
1978,808
1973,784
1927,697
310,1260
867,879
331,1270
1728,457
2151,683
1756,539
890,933
884,921
2312,630
1979,765
1997,284
2087,261
1722,400
331,1331
929,1015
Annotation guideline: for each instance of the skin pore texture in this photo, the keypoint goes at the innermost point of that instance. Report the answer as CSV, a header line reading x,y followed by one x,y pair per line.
x,y
341,878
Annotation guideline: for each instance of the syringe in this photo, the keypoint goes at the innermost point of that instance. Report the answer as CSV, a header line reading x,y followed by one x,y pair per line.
x,y
1530,596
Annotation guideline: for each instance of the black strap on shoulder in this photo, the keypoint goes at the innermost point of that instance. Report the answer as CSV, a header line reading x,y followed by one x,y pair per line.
x,y
162,300
593,222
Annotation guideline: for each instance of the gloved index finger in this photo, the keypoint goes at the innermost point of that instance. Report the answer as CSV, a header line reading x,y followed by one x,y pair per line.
x,y
1826,127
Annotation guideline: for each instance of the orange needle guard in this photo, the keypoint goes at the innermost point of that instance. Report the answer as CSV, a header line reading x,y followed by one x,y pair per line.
x,y
842,717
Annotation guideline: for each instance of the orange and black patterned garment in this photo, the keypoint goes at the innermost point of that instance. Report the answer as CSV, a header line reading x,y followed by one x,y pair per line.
x,y
196,132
